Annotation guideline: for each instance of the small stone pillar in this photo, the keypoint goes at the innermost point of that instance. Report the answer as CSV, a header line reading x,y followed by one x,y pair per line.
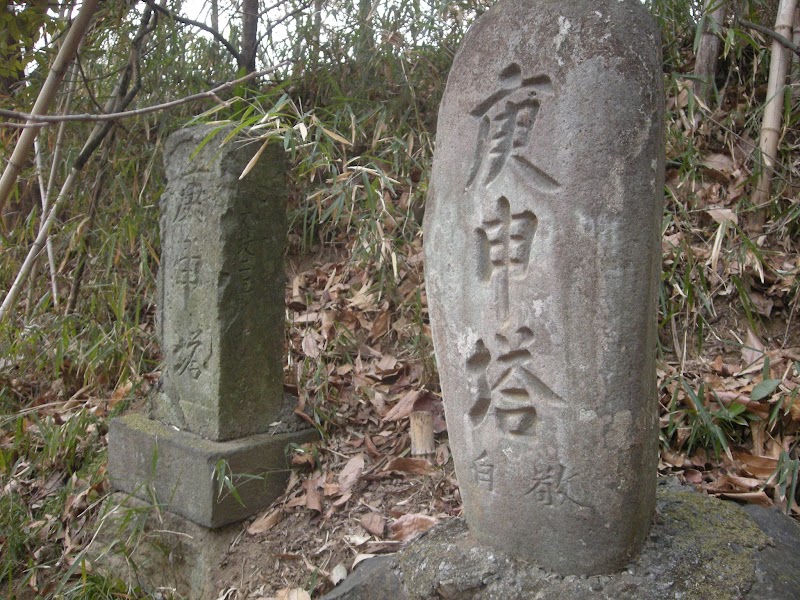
x,y
542,260
221,323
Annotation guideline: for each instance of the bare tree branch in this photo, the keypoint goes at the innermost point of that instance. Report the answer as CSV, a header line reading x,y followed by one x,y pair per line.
x,y
283,19
119,99
773,113
200,25
773,34
42,120
65,56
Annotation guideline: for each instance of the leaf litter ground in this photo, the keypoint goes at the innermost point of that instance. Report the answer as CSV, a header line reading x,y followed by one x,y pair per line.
x,y
360,360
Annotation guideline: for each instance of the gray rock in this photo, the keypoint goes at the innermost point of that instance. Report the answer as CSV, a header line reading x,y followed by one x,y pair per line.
x,y
186,474
699,548
374,578
221,286
214,448
166,556
542,261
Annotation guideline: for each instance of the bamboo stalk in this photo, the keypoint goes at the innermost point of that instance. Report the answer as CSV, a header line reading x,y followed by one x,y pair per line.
x,y
771,125
795,79
422,442
37,149
705,69
119,100
63,59
37,245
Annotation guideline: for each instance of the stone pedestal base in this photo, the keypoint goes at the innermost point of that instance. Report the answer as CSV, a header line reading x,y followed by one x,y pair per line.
x,y
184,473
698,548
159,553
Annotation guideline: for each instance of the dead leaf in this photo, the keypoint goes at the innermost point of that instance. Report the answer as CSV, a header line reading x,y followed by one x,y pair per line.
x,y
671,458
411,526
310,347
442,454
120,393
372,449
387,364
752,353
293,594
404,407
759,498
417,466
757,466
343,500
722,215
746,483
794,410
301,457
762,303
351,472
372,523
361,557
720,166
693,476
313,495
296,501
380,326
357,540
265,522
338,573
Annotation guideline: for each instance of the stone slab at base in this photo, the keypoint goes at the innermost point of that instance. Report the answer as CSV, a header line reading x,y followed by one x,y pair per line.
x,y
161,554
181,471
698,548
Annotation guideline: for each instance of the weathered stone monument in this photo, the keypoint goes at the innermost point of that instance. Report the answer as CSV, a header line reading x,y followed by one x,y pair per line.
x,y
220,409
541,262
542,259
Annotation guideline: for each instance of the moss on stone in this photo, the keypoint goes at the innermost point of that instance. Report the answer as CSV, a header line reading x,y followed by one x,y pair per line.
x,y
713,544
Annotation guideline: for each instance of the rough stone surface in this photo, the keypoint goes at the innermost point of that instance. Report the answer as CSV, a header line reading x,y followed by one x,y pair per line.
x,y
699,548
542,260
221,286
180,470
163,554
374,578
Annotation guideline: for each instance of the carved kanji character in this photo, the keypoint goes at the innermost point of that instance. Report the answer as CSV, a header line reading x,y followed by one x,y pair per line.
x,y
185,353
507,118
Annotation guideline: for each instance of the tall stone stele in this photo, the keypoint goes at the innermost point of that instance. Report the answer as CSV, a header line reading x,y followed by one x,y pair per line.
x,y
542,261
220,409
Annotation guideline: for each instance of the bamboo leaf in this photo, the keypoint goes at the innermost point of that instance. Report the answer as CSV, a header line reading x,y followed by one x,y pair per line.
x,y
764,389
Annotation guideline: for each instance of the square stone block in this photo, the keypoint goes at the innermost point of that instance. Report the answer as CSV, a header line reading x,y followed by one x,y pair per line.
x,y
181,470
160,553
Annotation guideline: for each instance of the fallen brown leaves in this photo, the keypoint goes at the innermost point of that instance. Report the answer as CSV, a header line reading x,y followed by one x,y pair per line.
x,y
752,401
359,363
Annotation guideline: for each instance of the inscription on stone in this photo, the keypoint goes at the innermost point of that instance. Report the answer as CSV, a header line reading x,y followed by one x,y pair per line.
x,y
221,289
186,354
247,253
483,471
221,316
542,260
506,120
188,205
187,266
551,486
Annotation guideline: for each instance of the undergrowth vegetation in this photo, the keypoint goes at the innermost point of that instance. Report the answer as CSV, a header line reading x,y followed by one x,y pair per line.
x,y
355,106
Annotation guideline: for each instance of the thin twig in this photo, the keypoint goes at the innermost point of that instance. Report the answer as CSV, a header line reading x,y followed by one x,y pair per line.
x,y
48,119
96,137
64,57
773,34
282,20
37,148
200,25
